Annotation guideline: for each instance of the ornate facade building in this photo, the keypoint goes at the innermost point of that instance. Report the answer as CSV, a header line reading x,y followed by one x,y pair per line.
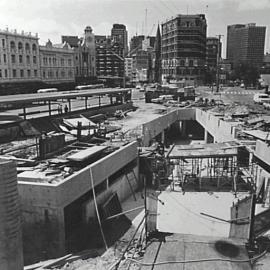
x,y
57,63
19,57
85,55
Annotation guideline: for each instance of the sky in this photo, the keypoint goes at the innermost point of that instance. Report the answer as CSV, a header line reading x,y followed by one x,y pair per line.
x,y
53,18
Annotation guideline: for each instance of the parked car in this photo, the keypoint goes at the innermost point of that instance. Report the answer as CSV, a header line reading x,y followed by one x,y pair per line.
x,y
266,105
162,99
261,98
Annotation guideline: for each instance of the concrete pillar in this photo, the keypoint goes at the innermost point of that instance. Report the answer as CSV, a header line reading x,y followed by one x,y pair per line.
x,y
184,129
205,136
11,251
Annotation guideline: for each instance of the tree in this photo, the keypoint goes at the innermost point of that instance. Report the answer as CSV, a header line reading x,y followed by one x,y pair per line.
x,y
247,73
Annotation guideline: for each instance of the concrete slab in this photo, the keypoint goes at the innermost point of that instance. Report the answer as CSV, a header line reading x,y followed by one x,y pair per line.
x,y
87,153
181,212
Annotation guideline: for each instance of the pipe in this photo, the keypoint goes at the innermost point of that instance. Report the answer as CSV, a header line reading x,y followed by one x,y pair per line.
x,y
96,207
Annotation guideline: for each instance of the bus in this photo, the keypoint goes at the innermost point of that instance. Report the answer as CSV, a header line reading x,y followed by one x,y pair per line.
x,y
90,86
47,90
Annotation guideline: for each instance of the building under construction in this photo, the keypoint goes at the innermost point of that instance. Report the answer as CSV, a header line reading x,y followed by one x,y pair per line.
x,y
206,201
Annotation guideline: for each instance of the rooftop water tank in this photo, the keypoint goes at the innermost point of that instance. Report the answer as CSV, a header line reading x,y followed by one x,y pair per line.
x,y
11,253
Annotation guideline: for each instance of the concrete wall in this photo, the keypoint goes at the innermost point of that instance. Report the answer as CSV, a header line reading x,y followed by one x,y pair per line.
x,y
156,126
120,186
79,183
43,204
222,131
262,151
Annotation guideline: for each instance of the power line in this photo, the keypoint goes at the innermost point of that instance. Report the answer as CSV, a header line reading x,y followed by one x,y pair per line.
x,y
153,3
165,5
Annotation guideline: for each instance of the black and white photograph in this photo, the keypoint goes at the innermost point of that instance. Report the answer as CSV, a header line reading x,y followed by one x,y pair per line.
x,y
134,135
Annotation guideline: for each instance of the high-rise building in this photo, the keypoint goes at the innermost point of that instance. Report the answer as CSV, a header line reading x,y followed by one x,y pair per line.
x,y
119,35
136,43
245,44
184,48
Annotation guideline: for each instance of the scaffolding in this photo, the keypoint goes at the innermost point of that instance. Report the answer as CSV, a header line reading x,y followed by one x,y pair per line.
x,y
206,167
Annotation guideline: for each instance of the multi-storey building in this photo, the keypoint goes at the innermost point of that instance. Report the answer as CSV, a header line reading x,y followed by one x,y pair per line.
x,y
184,48
19,57
85,55
136,43
57,63
129,70
148,43
245,44
213,50
119,35
109,61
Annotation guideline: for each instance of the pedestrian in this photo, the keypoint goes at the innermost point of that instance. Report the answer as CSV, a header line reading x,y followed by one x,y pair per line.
x,y
66,108
59,108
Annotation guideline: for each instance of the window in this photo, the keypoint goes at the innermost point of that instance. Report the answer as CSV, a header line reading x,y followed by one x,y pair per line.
x,y
20,46
35,73
56,74
34,59
191,63
50,60
44,74
62,62
14,73
5,58
54,61
20,59
182,63
22,73
13,59
34,47
63,74
28,73
27,47
6,73
27,59
12,45
3,43
0,73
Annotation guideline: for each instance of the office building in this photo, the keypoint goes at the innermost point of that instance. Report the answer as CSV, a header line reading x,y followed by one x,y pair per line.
x,y
245,44
136,43
184,48
119,35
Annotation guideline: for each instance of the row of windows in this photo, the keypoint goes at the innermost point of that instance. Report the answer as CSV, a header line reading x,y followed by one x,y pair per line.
x,y
51,74
19,46
53,61
20,59
18,73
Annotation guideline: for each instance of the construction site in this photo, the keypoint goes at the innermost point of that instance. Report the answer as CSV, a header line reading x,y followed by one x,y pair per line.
x,y
127,184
